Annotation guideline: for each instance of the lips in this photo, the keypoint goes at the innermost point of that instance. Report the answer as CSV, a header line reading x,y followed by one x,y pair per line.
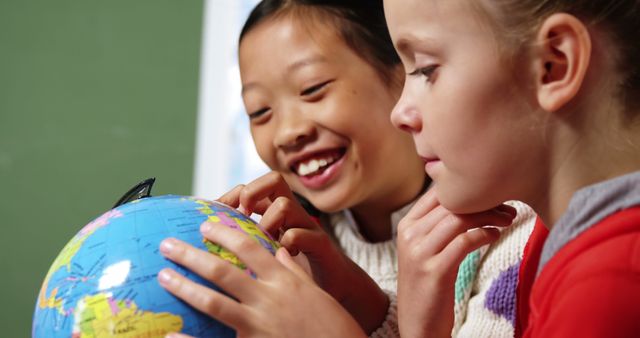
x,y
430,164
316,163
429,159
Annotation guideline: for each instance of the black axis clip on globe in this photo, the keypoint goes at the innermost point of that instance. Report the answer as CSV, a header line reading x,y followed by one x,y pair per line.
x,y
140,190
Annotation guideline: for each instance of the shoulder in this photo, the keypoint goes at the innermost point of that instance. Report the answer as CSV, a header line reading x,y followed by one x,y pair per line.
x,y
609,246
595,305
592,286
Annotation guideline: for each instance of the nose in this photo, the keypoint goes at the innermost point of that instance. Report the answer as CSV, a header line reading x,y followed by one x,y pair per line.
x,y
294,130
405,115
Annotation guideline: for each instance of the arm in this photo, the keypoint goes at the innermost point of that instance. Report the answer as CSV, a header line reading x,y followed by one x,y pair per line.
x,y
389,327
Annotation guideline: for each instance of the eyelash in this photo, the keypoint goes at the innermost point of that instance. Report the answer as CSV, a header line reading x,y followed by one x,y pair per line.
x,y
427,72
306,92
313,89
258,113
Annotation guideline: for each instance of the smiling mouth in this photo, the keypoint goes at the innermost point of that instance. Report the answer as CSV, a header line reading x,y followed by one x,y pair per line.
x,y
317,163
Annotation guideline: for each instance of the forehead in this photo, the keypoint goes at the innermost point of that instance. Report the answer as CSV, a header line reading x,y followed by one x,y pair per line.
x,y
281,45
295,31
422,19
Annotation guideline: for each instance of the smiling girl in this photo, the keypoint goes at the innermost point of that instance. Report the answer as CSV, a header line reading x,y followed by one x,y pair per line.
x,y
319,81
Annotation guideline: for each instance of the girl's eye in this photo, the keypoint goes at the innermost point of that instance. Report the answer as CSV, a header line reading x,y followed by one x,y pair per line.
x,y
314,89
258,113
427,72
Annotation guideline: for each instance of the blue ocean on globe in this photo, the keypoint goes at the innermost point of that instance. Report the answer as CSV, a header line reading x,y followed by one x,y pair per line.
x,y
104,281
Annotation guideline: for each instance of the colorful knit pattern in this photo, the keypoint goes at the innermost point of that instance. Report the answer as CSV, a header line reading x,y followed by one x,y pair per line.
x,y
467,273
487,282
501,297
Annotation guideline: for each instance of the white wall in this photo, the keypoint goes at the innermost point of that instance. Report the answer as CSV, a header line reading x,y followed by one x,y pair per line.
x,y
225,155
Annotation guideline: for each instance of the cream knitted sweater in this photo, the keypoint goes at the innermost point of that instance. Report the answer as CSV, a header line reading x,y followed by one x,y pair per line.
x,y
487,280
485,289
379,260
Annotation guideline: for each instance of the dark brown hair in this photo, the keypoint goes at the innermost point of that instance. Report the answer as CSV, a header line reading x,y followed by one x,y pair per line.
x,y
360,23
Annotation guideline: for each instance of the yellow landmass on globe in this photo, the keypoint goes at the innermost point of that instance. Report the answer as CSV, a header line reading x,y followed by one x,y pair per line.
x,y
102,316
247,226
253,230
223,253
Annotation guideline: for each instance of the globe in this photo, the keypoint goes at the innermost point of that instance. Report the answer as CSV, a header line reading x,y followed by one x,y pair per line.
x,y
103,283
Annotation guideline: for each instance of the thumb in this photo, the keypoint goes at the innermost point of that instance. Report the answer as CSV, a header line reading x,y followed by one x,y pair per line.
x,y
283,256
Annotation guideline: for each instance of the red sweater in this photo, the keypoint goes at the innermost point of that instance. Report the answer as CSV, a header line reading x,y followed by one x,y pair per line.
x,y
590,288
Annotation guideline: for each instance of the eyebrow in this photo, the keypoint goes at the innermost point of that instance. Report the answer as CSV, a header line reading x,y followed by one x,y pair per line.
x,y
248,86
403,44
305,62
408,42
293,67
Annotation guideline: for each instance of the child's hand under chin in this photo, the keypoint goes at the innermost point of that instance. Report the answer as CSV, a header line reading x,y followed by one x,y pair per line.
x,y
283,301
432,242
284,218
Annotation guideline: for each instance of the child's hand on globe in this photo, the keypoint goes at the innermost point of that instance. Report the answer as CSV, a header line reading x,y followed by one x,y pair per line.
x,y
283,300
285,219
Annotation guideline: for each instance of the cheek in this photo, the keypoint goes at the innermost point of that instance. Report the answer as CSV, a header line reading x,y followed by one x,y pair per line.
x,y
464,110
375,136
264,147
445,129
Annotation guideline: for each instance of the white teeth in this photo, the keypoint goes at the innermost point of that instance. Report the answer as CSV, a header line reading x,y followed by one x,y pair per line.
x,y
314,165
302,169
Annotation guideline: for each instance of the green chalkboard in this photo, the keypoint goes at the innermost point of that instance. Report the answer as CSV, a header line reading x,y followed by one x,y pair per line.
x,y
95,95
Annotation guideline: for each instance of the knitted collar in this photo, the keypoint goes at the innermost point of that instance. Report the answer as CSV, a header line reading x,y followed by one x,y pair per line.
x,y
396,216
589,206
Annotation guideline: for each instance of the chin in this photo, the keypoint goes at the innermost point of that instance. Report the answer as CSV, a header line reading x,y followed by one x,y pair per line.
x,y
462,202
455,206
327,206
327,202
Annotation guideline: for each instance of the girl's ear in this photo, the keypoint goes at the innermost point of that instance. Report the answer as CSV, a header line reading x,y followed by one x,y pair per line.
x,y
563,60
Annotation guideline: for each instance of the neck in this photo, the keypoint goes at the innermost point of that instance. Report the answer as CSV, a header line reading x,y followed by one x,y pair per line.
x,y
374,217
605,150
374,226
